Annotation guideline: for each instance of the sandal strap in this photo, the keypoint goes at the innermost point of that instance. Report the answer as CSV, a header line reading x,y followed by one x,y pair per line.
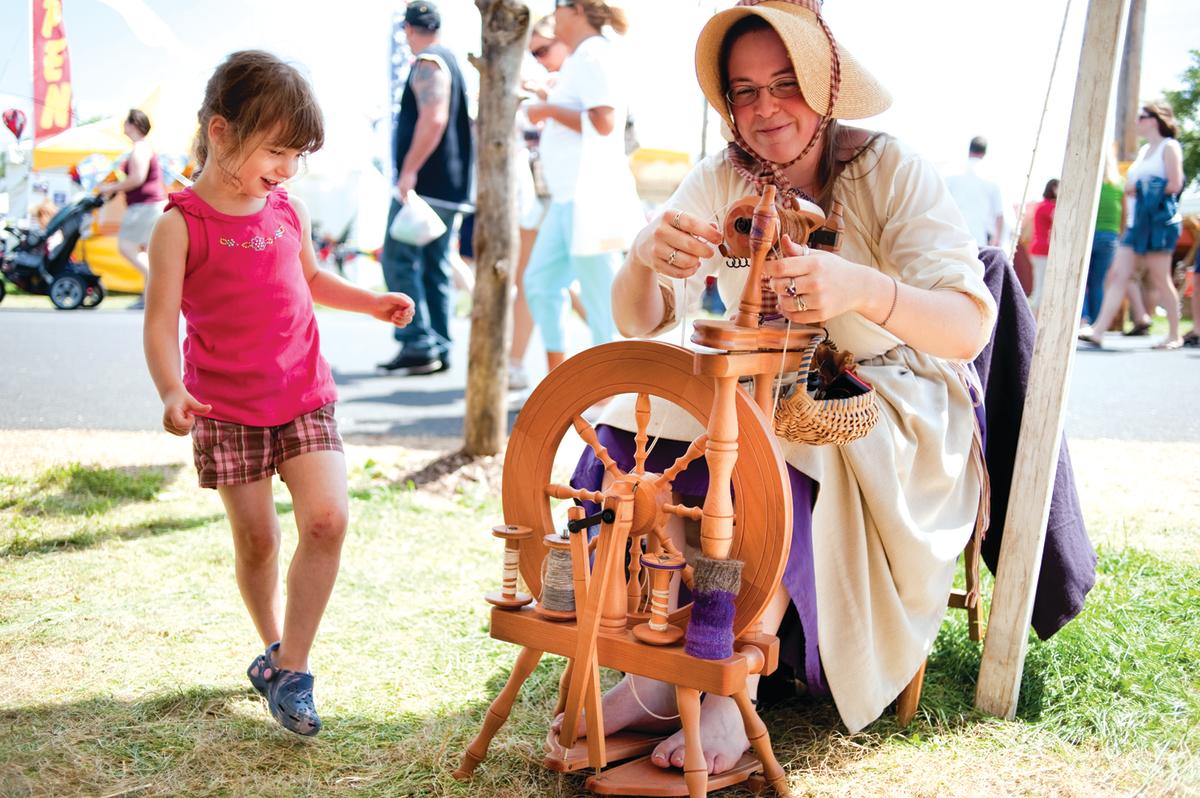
x,y
269,671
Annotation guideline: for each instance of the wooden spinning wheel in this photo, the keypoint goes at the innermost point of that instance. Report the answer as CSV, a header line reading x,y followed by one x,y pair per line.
x,y
650,368
746,519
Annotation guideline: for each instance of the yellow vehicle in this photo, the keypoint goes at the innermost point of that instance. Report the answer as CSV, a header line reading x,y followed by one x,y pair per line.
x,y
99,250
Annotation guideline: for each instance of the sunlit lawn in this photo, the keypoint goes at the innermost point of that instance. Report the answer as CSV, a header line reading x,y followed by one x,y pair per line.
x,y
123,646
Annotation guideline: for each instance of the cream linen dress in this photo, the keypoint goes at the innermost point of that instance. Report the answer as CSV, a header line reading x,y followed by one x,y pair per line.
x,y
895,508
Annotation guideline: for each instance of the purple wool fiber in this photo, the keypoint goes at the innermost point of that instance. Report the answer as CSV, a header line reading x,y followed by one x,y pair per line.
x,y
710,630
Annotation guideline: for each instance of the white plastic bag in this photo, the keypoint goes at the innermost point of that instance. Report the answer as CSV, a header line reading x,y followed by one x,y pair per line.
x,y
416,223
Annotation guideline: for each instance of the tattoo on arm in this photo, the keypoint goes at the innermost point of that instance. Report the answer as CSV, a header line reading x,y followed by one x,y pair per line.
x,y
430,84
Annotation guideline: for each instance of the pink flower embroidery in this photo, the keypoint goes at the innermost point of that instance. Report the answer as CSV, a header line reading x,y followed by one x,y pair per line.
x,y
258,243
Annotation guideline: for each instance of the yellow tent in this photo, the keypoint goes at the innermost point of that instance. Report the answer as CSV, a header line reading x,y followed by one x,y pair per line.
x,y
104,136
171,131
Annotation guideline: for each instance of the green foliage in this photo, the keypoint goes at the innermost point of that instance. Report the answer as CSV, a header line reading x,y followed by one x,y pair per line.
x,y
1186,104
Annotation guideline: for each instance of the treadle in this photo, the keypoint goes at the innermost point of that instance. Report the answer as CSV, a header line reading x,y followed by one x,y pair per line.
x,y
643,777
617,747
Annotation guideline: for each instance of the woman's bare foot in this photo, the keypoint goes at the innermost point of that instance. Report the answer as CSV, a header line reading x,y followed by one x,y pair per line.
x,y
622,710
721,730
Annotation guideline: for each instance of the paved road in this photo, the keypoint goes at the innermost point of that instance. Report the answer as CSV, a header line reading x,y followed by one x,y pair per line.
x,y
85,370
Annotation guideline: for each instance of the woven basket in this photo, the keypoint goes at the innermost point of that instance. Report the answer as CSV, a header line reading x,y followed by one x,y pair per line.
x,y
802,419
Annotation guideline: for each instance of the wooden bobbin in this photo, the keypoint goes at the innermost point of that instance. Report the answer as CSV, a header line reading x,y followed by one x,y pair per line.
x,y
554,542
508,598
656,631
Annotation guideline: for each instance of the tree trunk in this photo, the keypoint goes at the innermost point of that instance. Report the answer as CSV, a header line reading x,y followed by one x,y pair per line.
x,y
1129,87
505,31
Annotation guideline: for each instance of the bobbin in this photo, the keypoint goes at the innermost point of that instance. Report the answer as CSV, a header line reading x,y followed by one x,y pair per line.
x,y
656,631
508,598
558,556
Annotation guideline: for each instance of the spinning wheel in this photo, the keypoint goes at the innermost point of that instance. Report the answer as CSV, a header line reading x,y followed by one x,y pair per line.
x,y
650,368
745,534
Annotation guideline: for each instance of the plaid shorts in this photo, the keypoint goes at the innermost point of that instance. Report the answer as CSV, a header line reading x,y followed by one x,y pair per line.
x,y
228,453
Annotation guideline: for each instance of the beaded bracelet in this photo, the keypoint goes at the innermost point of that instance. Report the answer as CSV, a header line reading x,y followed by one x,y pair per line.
x,y
892,309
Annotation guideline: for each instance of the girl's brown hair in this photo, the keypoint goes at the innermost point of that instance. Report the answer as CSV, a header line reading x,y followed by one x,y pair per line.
x,y
256,94
600,13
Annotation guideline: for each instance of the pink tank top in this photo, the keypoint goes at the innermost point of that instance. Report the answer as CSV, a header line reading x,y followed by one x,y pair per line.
x,y
252,349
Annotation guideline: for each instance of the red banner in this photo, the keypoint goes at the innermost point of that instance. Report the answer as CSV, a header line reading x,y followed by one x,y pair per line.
x,y
51,70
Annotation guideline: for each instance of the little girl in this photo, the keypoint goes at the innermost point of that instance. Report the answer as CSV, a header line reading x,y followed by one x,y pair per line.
x,y
234,254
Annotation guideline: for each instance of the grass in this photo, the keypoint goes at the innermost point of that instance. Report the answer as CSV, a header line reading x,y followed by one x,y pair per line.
x,y
124,657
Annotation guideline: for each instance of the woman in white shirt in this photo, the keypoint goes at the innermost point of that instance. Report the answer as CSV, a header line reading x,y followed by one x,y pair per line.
x,y
593,204
1155,180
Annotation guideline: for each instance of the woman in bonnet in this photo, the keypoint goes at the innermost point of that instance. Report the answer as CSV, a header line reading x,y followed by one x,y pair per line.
x,y
880,522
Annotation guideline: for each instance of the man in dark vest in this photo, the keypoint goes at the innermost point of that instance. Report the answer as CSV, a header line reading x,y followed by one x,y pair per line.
x,y
433,152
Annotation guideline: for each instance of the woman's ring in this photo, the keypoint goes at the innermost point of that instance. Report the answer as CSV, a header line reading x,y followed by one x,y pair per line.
x,y
671,257
675,218
801,305
791,287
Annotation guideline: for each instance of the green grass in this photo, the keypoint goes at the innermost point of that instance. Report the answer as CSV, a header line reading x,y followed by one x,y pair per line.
x,y
124,661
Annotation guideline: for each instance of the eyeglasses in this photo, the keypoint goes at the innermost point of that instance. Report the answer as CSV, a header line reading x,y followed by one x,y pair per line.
x,y
781,89
540,52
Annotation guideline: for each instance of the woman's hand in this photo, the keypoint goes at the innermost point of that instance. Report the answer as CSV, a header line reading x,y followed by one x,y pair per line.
x,y
675,242
815,286
395,308
537,112
180,409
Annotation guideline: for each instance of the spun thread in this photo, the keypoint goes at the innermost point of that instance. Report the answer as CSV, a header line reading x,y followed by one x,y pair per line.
x,y
508,584
558,587
658,609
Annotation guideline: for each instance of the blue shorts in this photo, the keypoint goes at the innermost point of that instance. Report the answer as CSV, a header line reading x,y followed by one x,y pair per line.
x,y
1142,240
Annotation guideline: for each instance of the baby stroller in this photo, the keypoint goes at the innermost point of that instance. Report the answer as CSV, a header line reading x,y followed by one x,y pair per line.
x,y
34,266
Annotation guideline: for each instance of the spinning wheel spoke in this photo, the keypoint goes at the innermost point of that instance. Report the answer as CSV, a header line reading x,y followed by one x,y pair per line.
x,y
588,434
642,412
694,451
556,491
683,511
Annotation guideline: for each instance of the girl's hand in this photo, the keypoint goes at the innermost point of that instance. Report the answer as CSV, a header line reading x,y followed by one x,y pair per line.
x,y
815,286
396,308
676,242
180,409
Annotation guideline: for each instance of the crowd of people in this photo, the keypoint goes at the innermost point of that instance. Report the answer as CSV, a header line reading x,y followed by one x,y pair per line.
x,y
576,112
1132,266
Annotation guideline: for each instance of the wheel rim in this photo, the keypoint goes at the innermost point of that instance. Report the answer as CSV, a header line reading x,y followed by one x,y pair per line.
x,y
67,291
663,370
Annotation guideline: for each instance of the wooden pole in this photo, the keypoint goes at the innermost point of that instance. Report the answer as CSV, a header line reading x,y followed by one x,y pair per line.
x,y
1053,354
505,31
1129,87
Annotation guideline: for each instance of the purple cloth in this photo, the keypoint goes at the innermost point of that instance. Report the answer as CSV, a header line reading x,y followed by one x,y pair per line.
x,y
710,628
798,576
1068,559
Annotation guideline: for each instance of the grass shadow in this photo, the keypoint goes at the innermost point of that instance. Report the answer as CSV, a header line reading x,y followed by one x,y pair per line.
x,y
21,545
78,490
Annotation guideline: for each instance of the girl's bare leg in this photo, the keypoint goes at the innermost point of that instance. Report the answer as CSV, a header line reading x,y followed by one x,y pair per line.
x,y
251,511
317,482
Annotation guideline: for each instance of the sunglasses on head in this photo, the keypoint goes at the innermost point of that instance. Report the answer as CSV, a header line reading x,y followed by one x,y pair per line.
x,y
1146,115
564,3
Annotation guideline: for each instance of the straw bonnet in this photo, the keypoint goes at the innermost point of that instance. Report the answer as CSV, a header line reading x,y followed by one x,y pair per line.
x,y
859,95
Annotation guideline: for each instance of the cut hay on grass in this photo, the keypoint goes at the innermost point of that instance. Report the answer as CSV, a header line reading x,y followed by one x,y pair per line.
x,y
123,644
